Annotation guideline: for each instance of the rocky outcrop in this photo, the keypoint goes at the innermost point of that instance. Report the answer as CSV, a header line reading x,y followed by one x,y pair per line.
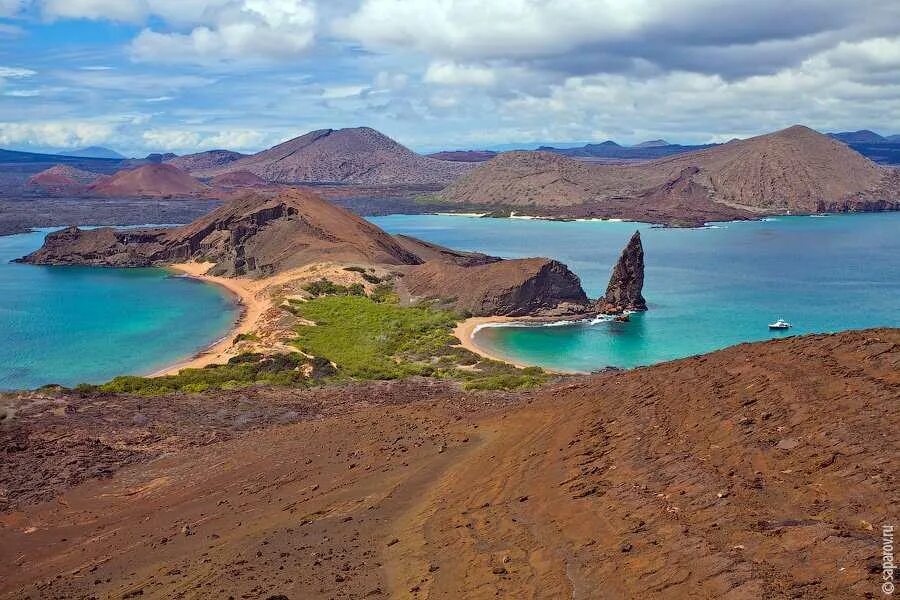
x,y
627,280
519,287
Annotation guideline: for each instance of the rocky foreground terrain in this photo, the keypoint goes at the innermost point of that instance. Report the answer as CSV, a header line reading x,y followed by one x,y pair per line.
x,y
760,471
796,170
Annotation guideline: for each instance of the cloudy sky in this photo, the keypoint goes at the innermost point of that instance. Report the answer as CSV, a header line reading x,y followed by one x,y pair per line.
x,y
187,75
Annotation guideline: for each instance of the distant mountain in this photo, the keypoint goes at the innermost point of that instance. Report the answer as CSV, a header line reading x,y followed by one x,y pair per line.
x,y
464,155
358,155
793,170
863,136
204,160
881,149
610,149
652,144
158,157
154,180
92,152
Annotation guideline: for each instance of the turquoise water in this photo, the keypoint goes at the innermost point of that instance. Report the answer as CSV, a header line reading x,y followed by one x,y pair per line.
x,y
70,325
706,288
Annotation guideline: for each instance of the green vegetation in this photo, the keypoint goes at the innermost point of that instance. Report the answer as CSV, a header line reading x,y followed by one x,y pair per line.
x,y
324,287
369,339
241,371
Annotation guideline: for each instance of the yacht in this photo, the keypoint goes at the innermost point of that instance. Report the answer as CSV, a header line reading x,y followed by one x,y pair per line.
x,y
780,324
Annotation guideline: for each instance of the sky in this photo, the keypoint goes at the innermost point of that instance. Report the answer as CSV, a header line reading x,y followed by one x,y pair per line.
x,y
182,76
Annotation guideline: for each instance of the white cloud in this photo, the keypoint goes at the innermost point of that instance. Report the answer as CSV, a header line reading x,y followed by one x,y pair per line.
x,y
238,30
451,73
61,134
469,29
23,93
15,72
342,91
182,140
10,8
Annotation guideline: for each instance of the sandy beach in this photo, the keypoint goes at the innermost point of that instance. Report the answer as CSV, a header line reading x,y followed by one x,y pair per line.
x,y
465,330
252,308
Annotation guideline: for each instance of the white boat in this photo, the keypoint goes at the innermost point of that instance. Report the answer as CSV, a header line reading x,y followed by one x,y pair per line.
x,y
780,324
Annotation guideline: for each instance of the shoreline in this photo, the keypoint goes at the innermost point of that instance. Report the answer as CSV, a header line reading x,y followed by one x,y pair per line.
x,y
465,332
251,309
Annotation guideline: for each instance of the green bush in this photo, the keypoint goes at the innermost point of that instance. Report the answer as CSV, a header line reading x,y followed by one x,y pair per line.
x,y
324,287
241,371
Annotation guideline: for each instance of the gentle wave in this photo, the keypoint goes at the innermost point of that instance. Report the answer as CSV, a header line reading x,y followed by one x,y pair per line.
x,y
532,324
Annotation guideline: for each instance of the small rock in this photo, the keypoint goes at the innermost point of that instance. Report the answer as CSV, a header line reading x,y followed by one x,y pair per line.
x,y
393,541
787,444
522,498
186,530
626,547
499,571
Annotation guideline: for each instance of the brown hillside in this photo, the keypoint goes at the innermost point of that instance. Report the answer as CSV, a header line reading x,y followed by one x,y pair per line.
x,y
793,170
358,155
760,471
149,180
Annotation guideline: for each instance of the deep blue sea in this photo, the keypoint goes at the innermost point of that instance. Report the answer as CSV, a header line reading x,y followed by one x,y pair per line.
x,y
70,325
706,288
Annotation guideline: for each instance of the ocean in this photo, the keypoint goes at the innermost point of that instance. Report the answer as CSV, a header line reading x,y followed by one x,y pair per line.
x,y
706,288
71,325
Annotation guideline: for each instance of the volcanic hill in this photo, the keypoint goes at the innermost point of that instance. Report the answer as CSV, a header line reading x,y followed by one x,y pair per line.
x,y
357,155
151,180
62,179
796,170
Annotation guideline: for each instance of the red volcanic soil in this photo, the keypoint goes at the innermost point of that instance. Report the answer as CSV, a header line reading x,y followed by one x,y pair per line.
x,y
149,180
760,471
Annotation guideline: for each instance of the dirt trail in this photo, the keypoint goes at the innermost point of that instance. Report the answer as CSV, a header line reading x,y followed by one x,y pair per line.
x,y
761,471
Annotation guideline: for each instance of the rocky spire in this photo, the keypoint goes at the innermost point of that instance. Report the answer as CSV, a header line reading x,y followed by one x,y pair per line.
x,y
624,289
